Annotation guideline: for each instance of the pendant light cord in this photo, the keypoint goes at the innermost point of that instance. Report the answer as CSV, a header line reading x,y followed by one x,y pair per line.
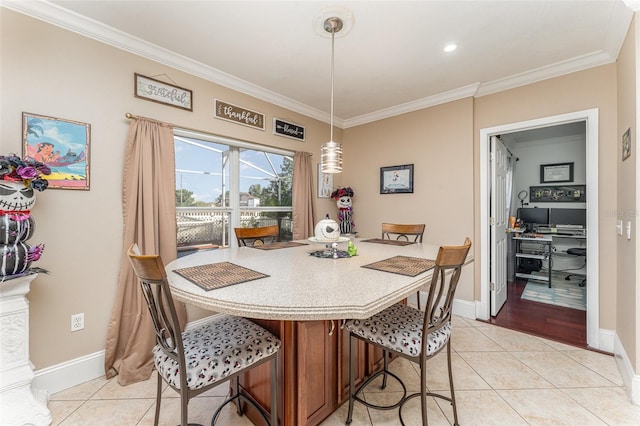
x,y
333,37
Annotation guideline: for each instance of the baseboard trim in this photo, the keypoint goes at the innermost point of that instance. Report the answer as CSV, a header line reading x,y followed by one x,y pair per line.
x,y
630,379
464,308
74,372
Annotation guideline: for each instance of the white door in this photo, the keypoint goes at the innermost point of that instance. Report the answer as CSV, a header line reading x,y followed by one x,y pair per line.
x,y
499,159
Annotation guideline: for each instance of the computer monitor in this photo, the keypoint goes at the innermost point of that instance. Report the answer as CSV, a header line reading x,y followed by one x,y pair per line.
x,y
568,217
537,215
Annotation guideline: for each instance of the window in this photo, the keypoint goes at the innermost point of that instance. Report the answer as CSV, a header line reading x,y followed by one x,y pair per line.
x,y
223,184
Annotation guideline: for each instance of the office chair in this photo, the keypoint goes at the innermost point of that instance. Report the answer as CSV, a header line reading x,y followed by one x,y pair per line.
x,y
403,232
578,251
194,361
254,236
400,329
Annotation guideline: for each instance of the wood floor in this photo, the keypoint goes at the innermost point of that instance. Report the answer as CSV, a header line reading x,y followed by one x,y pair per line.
x,y
541,319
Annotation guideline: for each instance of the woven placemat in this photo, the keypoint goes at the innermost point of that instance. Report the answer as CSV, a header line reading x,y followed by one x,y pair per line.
x,y
216,275
279,245
403,265
389,242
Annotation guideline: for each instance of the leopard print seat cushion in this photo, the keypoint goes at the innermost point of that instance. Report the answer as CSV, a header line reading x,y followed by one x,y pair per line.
x,y
399,328
216,350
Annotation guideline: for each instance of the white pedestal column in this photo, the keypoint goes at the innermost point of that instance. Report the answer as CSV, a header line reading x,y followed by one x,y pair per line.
x,y
18,405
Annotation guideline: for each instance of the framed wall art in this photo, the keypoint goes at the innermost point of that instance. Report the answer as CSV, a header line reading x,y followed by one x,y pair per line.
x,y
325,183
560,172
61,144
158,91
396,179
626,144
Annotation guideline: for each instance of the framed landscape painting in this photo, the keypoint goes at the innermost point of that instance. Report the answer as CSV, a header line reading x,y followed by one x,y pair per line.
x,y
63,145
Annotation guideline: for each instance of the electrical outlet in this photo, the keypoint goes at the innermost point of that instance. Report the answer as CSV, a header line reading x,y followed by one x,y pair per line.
x,y
77,322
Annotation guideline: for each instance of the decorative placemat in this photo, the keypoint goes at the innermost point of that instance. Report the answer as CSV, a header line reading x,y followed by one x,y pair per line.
x,y
278,245
216,275
328,254
389,242
403,265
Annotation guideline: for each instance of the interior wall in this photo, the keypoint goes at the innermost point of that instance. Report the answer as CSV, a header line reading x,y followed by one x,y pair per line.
x,y
628,283
592,88
49,71
438,141
532,154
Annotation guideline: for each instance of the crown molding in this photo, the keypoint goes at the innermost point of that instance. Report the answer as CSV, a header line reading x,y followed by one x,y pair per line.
x,y
87,27
84,26
543,73
430,101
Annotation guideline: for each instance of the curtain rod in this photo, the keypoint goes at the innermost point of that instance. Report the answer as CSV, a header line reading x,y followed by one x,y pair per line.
x,y
190,129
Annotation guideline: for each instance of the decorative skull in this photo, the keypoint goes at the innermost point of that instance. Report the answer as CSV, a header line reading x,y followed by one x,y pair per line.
x,y
15,196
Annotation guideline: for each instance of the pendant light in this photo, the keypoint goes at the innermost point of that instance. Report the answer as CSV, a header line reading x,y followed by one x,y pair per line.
x,y
331,152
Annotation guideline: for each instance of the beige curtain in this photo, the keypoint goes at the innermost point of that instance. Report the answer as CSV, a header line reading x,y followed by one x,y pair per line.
x,y
304,217
148,200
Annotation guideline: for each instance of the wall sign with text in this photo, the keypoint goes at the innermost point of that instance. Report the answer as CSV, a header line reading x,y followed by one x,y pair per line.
x,y
290,130
239,115
158,91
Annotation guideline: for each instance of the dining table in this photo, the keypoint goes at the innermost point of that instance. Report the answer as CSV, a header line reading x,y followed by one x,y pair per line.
x,y
302,291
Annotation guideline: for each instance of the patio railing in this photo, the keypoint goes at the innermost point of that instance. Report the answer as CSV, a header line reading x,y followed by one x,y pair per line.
x,y
210,225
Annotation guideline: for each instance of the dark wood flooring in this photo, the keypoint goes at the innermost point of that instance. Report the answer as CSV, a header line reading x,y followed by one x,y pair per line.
x,y
557,323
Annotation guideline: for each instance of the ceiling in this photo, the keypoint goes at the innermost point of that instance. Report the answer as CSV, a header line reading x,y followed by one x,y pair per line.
x,y
389,60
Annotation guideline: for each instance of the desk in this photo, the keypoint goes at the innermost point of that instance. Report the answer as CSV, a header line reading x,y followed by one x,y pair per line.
x,y
298,303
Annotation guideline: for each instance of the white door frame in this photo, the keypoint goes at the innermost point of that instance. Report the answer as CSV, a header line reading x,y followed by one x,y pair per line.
x,y
591,118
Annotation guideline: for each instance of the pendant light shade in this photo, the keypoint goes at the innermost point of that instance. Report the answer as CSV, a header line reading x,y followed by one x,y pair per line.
x,y
331,152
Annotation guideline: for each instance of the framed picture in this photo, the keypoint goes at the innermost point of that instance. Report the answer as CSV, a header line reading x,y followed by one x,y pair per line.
x,y
626,144
164,93
325,183
560,172
396,179
63,145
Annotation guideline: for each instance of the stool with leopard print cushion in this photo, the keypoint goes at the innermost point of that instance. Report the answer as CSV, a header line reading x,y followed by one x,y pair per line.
x,y
413,334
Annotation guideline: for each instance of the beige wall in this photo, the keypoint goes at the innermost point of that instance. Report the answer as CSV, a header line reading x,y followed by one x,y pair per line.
x,y
53,72
627,210
49,71
438,141
593,88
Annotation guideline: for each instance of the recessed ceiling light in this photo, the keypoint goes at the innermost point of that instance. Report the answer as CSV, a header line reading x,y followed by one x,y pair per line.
x,y
450,47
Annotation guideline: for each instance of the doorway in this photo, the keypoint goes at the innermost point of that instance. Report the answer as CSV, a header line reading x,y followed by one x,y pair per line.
x,y
590,120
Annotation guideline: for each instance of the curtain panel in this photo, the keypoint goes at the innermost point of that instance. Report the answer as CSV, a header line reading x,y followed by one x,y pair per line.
x,y
149,213
302,196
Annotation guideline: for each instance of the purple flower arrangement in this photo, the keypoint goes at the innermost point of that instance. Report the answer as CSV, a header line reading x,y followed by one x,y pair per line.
x,y
29,171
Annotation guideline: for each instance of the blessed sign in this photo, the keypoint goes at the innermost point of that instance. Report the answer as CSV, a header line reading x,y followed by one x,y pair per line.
x,y
240,115
281,127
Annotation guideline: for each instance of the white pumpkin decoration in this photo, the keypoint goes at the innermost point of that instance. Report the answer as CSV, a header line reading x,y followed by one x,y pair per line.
x,y
327,230
14,196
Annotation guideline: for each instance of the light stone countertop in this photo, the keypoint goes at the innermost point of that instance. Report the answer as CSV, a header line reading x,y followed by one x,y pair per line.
x,y
303,287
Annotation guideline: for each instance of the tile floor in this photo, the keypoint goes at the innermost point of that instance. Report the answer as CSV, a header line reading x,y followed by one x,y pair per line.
x,y
502,377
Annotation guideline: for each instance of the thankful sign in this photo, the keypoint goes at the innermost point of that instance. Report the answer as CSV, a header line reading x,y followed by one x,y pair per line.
x,y
226,111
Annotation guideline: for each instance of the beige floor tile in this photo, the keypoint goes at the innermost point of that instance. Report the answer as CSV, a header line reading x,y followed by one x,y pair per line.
x,y
113,412
470,339
459,322
482,408
603,364
561,370
113,390
200,411
81,392
514,341
60,410
464,377
411,412
404,369
501,370
611,405
544,407
557,345
360,416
